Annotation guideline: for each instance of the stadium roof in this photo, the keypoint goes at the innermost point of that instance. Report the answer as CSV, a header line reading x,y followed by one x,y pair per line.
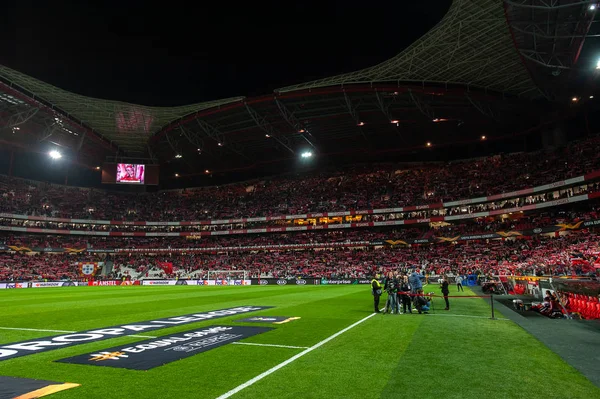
x,y
467,73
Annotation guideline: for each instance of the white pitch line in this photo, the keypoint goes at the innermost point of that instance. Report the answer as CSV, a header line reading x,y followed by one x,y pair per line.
x,y
273,345
63,331
35,329
291,359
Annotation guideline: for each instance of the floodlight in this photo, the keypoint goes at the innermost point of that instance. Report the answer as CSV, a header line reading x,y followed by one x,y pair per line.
x,y
306,154
55,154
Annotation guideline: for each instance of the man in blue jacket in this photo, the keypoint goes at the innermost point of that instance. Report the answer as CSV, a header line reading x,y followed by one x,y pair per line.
x,y
415,281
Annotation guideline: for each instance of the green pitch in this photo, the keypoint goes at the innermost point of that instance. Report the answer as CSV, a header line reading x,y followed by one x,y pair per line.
x,y
391,356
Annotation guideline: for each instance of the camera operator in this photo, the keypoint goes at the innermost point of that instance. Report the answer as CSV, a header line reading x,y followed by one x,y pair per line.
x,y
391,287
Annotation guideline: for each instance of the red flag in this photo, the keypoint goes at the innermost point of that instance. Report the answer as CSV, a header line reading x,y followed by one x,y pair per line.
x,y
166,266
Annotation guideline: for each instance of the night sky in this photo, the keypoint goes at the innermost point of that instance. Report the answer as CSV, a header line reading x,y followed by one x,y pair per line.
x,y
175,55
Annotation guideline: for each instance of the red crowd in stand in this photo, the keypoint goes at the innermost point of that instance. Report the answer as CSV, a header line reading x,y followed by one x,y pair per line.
x,y
574,254
357,187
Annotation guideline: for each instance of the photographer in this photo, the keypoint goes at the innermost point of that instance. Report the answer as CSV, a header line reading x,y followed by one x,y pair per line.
x,y
421,302
445,291
391,287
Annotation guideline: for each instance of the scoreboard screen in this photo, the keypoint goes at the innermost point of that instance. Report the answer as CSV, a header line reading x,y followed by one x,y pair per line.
x,y
129,173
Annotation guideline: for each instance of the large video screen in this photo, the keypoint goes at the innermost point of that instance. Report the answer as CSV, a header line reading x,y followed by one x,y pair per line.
x,y
128,173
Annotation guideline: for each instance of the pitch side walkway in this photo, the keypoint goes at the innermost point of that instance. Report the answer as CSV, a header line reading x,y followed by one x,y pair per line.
x,y
576,341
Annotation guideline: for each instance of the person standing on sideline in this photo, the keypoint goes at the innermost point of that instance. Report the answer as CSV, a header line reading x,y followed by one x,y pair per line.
x,y
415,281
376,291
459,281
391,287
404,295
446,291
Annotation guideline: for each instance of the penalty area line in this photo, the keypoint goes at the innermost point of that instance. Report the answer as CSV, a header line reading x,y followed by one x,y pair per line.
x,y
291,359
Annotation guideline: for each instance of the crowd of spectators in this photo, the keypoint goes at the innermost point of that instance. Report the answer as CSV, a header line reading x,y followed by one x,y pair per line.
x,y
516,221
574,254
356,187
421,214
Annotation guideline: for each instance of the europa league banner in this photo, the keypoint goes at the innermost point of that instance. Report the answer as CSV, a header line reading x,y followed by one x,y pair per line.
x,y
155,352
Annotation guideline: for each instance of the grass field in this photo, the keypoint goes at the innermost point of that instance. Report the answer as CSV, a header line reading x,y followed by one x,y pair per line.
x,y
399,356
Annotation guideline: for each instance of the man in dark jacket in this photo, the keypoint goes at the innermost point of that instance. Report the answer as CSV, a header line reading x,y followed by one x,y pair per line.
x,y
445,291
404,296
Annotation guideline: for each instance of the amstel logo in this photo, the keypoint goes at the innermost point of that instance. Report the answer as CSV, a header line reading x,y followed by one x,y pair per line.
x,y
98,357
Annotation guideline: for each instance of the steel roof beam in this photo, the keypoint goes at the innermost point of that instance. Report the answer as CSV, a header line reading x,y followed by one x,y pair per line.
x,y
262,123
19,118
554,5
422,106
295,123
485,109
215,134
354,114
385,109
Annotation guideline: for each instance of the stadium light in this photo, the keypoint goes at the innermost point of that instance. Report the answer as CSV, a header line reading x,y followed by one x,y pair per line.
x,y
592,7
178,156
306,154
55,154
